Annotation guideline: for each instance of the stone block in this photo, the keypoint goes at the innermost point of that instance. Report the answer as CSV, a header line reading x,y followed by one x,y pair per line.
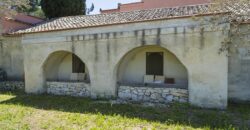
x,y
134,97
125,95
169,98
166,91
155,96
146,98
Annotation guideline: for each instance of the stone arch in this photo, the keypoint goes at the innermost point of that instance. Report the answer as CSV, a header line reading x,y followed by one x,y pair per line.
x,y
132,52
57,66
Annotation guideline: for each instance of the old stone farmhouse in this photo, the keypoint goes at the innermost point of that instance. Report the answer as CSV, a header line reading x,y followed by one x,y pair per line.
x,y
156,55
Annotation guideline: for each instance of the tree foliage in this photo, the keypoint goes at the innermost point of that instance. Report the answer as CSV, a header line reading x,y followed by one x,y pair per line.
x,y
91,9
34,9
238,13
8,7
33,6
60,8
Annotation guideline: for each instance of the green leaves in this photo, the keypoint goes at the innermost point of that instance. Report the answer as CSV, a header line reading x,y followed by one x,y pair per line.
x,y
60,8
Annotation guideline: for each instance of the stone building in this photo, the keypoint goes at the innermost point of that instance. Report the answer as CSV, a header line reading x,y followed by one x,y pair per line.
x,y
157,55
151,4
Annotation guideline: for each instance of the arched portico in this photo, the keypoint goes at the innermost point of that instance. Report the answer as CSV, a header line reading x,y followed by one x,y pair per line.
x,y
206,69
151,60
65,66
66,74
193,54
153,74
54,64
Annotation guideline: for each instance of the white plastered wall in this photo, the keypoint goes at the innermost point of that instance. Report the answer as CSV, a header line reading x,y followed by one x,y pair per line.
x,y
102,48
11,57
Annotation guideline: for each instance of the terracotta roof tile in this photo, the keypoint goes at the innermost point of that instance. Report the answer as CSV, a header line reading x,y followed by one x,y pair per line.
x,y
73,22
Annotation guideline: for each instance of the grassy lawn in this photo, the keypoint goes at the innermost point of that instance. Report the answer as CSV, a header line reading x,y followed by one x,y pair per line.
x,y
21,111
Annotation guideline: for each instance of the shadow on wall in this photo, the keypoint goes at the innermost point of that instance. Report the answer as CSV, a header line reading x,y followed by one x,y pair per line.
x,y
180,114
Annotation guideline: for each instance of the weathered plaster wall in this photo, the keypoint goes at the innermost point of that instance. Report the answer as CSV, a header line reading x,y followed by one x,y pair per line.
x,y
58,67
11,57
239,65
102,48
133,66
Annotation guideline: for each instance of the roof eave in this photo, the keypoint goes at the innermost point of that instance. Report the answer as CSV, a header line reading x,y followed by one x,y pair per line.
x,y
175,17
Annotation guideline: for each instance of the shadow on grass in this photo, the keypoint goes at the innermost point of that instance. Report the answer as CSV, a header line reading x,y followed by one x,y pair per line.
x,y
237,116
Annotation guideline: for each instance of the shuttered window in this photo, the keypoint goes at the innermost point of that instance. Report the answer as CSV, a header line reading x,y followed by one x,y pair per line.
x,y
154,63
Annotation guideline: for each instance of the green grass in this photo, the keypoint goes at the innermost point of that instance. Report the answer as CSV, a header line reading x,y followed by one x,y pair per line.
x,y
22,111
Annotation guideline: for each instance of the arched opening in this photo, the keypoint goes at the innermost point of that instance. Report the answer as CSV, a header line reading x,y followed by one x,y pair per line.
x,y
145,64
152,73
66,74
63,66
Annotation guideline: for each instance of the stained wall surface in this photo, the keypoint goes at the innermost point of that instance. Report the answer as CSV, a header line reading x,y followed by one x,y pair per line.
x,y
11,57
239,65
194,44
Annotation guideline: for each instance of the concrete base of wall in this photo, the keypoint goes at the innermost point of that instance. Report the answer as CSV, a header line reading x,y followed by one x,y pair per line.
x,y
154,95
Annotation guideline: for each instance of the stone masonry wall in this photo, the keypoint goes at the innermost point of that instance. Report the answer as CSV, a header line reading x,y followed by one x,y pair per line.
x,y
125,93
12,85
153,95
69,89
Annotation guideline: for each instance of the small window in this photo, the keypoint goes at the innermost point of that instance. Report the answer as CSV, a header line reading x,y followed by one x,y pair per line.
x,y
77,65
154,63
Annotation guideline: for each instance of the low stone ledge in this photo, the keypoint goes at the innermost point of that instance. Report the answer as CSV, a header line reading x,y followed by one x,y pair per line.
x,y
12,85
154,95
78,89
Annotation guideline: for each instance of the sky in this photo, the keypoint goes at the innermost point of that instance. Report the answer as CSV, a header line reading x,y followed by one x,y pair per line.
x,y
107,4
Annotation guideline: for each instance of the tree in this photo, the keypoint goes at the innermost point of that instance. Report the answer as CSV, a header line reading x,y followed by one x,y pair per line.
x,y
8,7
238,14
91,9
60,8
34,9
33,6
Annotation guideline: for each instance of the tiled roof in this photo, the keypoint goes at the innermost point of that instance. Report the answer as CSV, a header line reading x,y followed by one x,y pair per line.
x,y
32,20
18,22
74,22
